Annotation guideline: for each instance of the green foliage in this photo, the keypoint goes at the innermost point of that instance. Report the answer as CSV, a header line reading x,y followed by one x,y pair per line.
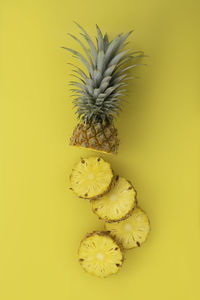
x,y
98,94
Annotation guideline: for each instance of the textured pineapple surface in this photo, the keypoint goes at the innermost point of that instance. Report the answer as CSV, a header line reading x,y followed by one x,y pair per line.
x,y
99,87
96,136
118,203
131,232
91,177
100,255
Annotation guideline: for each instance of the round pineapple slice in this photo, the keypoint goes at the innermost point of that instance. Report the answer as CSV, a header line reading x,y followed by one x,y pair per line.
x,y
100,255
91,177
131,232
118,203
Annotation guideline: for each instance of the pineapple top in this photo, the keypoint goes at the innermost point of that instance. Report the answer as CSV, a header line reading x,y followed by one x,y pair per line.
x,y
97,93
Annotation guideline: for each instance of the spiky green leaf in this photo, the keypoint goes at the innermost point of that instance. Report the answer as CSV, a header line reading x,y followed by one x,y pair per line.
x,y
98,95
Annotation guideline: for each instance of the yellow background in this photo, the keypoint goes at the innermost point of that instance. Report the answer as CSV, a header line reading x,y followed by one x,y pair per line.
x,y
41,221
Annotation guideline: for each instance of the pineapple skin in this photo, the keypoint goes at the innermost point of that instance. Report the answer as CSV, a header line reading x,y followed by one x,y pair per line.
x,y
101,137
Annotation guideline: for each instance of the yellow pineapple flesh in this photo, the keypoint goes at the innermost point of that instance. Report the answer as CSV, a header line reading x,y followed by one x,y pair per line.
x,y
100,255
118,203
131,232
96,136
91,177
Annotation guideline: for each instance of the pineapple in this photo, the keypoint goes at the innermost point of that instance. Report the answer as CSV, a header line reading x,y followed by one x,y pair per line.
x,y
91,177
100,137
100,255
131,232
118,203
99,91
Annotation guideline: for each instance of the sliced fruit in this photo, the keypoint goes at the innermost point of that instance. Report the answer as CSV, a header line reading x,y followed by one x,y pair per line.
x,y
91,177
100,255
118,203
131,232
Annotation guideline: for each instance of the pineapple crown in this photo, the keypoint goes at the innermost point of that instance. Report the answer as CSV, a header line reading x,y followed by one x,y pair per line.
x,y
97,94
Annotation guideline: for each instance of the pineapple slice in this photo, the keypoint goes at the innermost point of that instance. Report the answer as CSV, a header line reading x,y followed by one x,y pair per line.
x,y
91,177
100,255
118,203
131,232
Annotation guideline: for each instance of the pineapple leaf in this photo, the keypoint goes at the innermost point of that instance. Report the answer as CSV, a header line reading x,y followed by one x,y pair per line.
x,y
109,71
78,71
90,82
106,42
101,61
96,92
121,71
84,48
123,39
92,48
105,82
124,62
77,77
109,90
82,29
130,55
119,79
78,84
81,58
97,77
100,41
117,58
90,89
112,48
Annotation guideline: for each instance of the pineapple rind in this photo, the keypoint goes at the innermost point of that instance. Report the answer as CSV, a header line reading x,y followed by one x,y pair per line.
x,y
91,177
121,206
100,243
132,232
98,137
